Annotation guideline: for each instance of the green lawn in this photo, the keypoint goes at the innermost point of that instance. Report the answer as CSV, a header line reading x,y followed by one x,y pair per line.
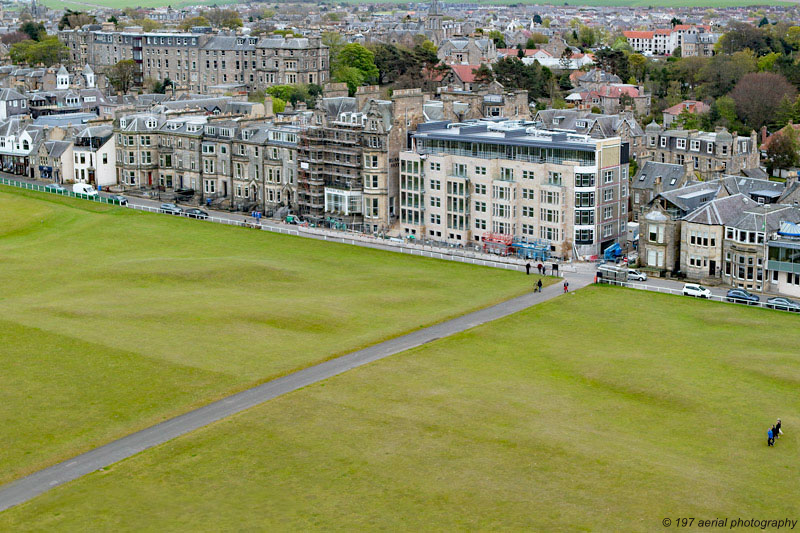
x,y
603,410
113,319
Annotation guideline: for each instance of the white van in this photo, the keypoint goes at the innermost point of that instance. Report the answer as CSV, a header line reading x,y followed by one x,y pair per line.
x,y
85,189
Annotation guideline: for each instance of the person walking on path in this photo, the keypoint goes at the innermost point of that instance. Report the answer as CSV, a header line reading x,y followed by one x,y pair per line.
x,y
566,286
778,431
539,286
539,266
528,269
770,438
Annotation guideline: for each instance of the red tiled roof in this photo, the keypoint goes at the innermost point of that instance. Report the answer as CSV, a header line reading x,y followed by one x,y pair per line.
x,y
513,52
465,72
692,106
638,34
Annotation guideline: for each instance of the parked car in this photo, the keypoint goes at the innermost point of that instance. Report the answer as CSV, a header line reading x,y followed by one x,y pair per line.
x,y
84,189
784,304
196,213
741,296
55,187
635,275
171,209
695,290
121,200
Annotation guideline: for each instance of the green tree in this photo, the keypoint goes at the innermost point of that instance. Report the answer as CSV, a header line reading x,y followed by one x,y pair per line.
x,y
335,41
278,105
483,74
767,62
123,75
498,38
785,113
49,51
537,19
586,37
352,76
675,22
75,19
190,23
34,30
677,52
535,40
758,95
356,56
638,64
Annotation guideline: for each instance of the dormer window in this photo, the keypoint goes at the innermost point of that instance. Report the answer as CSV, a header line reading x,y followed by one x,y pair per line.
x,y
123,123
151,123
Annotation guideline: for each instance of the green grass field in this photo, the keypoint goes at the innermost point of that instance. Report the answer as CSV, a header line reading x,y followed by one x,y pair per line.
x,y
113,319
603,410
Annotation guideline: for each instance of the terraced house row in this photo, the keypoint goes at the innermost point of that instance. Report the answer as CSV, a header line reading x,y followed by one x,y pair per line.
x,y
229,162
201,62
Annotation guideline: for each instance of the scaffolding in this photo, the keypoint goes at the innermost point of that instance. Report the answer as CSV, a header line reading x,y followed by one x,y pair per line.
x,y
538,249
498,243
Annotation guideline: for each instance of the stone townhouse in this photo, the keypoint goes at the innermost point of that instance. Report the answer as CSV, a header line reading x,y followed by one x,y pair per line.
x,y
198,61
706,154
348,166
651,180
599,126
468,184
53,161
467,51
94,156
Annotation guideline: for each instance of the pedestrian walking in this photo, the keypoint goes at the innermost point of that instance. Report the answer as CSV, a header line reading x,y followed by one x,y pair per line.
x,y
566,286
770,438
527,269
539,286
778,430
539,266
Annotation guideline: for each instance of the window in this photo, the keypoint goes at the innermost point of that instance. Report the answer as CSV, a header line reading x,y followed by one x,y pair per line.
x,y
527,212
608,194
480,171
146,158
527,174
480,207
584,217
550,197
436,185
608,176
480,189
209,186
584,180
608,212
554,178
435,166
656,234
663,142
681,144
527,194
371,161
584,199
694,145
549,215
507,174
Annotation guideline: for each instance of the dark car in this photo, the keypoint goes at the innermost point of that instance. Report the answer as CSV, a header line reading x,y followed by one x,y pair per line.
x,y
741,296
784,304
119,199
196,213
170,209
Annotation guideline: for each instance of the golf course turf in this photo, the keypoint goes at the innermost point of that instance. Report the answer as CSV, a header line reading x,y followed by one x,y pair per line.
x,y
605,409
114,319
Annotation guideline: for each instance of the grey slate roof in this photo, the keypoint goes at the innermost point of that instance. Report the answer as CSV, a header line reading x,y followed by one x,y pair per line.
x,y
672,176
721,211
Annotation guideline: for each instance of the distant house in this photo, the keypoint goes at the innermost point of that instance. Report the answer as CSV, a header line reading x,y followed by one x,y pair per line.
x,y
460,77
651,180
694,107
12,103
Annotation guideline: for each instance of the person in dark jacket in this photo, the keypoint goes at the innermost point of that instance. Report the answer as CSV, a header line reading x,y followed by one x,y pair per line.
x,y
539,286
778,432
770,438
528,269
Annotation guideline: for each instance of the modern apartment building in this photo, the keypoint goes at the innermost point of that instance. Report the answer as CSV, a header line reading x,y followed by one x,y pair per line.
x,y
664,41
464,184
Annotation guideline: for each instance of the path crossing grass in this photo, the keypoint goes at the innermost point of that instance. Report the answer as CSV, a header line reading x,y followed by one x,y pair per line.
x,y
603,410
113,319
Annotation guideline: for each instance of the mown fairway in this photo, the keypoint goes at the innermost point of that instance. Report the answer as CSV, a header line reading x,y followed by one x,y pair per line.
x,y
603,410
112,319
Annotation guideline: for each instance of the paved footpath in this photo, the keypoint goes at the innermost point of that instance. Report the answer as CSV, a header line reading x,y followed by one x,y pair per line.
x,y
28,487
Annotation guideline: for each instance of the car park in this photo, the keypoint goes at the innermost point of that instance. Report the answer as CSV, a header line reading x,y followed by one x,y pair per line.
x,y
741,296
635,275
695,290
196,213
783,304
170,209
119,199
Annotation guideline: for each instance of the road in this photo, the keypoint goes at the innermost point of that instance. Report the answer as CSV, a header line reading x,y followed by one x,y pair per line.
x,y
28,487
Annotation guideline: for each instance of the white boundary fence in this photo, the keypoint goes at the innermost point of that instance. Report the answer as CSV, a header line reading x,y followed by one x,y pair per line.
x,y
454,254
668,290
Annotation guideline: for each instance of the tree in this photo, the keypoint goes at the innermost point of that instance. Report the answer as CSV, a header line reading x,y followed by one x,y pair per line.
x,y
535,40
352,76
223,18
614,61
564,82
34,30
721,73
763,22
566,58
637,64
356,56
537,19
677,52
335,41
123,74
758,95
767,62
113,19
675,22
586,37
49,51
743,36
278,105
783,150
190,23
785,113
75,19
498,38
483,74
13,37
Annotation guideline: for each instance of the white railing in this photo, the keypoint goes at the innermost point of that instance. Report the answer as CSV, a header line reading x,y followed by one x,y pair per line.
x,y
61,192
669,290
